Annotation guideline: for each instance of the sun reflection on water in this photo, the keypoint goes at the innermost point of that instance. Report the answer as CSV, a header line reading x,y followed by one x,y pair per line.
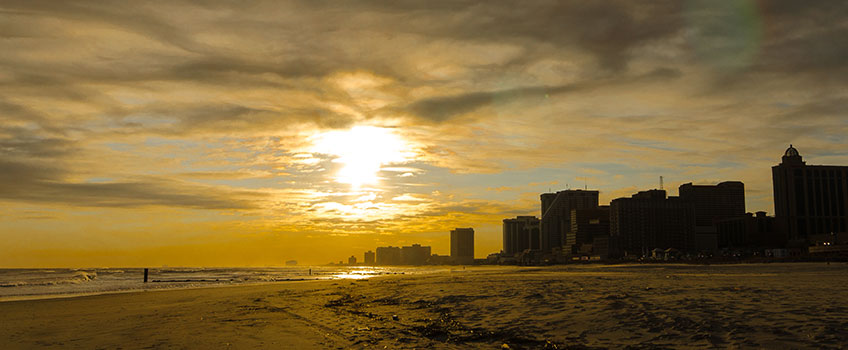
x,y
358,274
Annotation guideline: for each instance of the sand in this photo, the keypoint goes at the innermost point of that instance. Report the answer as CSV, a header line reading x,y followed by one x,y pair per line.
x,y
772,306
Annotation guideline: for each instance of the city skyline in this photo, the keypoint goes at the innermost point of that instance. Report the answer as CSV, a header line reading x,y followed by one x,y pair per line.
x,y
703,220
424,174
208,134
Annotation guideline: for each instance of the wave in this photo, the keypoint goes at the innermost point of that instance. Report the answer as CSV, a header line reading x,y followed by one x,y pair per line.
x,y
77,277
83,276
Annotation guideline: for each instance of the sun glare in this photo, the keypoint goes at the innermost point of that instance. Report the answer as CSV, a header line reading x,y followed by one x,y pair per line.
x,y
362,151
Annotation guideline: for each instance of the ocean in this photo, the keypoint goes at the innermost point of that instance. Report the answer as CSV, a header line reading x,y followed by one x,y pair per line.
x,y
18,284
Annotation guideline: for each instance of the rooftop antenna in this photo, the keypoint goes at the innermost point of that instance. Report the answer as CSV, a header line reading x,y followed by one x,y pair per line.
x,y
661,182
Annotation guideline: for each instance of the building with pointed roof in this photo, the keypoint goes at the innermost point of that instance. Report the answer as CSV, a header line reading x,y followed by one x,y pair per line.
x,y
809,200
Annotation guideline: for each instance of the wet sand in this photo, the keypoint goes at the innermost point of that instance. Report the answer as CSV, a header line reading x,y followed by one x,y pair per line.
x,y
772,306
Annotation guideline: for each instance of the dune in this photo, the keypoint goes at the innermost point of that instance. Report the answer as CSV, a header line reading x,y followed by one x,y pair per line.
x,y
770,306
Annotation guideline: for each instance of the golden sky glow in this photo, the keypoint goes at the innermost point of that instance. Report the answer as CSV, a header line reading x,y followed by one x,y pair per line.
x,y
219,133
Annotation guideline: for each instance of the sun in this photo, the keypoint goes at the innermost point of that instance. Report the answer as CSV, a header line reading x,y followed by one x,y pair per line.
x,y
362,151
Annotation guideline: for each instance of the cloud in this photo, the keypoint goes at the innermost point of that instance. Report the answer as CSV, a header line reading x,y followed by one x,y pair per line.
x,y
138,105
29,182
281,65
442,108
19,142
606,30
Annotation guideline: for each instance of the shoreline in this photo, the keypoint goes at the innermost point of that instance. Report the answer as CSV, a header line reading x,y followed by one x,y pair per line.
x,y
45,287
670,306
130,291
15,298
470,268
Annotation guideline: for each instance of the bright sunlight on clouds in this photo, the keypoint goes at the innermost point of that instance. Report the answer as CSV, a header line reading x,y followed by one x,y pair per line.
x,y
363,151
133,134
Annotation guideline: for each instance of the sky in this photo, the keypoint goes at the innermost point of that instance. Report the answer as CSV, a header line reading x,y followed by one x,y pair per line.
x,y
224,133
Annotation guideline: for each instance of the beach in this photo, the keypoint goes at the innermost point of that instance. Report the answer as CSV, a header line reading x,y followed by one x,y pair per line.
x,y
772,306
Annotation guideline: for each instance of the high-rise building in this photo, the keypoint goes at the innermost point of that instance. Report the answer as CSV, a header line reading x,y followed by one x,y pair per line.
x,y
351,260
586,225
649,220
462,245
370,258
712,203
809,200
415,254
388,256
519,234
555,221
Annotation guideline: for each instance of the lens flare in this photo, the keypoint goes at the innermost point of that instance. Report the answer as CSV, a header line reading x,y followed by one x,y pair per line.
x,y
724,35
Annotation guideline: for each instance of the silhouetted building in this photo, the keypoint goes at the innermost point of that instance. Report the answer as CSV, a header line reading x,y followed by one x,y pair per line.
x,y
649,220
388,256
809,200
370,258
291,262
711,203
351,260
601,246
462,245
415,254
748,231
586,225
519,234
555,221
